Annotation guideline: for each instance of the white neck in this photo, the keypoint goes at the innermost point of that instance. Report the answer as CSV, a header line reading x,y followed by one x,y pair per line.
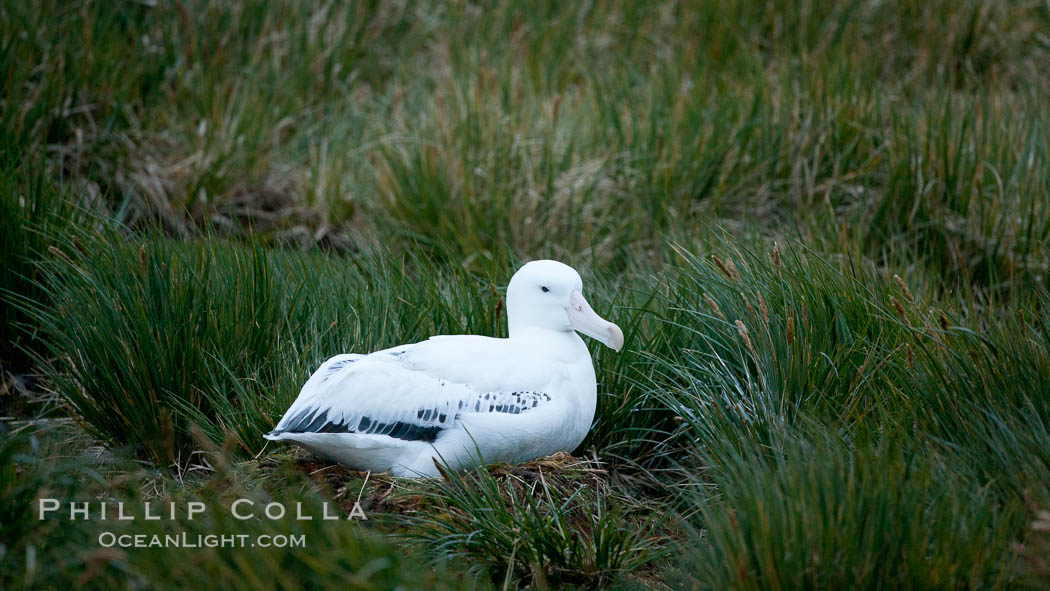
x,y
564,343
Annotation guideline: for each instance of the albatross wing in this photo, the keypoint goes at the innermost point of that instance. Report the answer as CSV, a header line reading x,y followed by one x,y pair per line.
x,y
364,410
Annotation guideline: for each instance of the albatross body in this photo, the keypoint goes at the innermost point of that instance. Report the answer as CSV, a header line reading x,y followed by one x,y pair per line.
x,y
464,399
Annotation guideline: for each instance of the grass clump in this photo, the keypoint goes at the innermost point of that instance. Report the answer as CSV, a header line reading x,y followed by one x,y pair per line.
x,y
37,554
149,337
980,391
34,213
876,442
815,513
555,522
483,132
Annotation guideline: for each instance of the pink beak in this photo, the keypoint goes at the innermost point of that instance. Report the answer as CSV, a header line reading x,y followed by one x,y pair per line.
x,y
585,320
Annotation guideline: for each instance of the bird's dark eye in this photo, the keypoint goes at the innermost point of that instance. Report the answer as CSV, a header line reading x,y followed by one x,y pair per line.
x,y
545,288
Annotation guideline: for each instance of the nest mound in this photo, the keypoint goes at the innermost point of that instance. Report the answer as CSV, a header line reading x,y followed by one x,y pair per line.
x,y
561,473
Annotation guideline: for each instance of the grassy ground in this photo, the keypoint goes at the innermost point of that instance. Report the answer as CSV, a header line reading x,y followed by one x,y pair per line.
x,y
823,226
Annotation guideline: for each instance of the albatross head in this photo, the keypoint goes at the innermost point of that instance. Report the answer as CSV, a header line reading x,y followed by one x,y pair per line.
x,y
549,295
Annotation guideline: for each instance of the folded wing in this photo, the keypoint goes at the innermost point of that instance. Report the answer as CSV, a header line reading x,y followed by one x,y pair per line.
x,y
401,393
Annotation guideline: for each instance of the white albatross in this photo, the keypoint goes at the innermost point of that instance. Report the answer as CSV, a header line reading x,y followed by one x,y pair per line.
x,y
452,398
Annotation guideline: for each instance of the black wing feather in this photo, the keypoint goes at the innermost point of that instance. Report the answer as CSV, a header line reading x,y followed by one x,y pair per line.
x,y
427,424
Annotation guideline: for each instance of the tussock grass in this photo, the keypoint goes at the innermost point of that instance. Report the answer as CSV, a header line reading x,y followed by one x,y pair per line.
x,y
904,420
984,395
555,521
817,513
338,554
33,214
823,227
914,131
765,358
34,553
149,337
